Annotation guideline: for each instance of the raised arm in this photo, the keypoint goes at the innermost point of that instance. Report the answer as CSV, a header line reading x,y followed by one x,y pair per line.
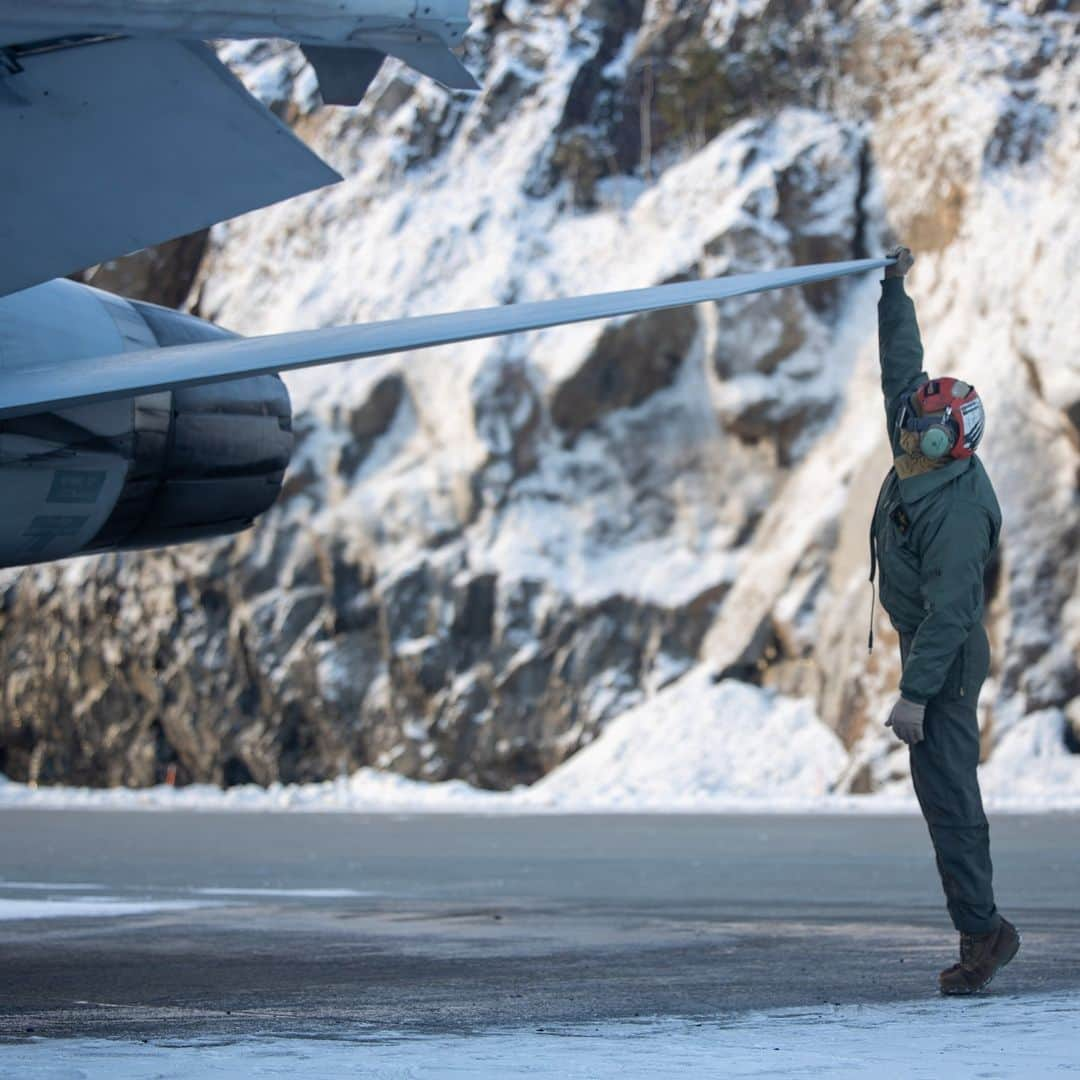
x,y
899,344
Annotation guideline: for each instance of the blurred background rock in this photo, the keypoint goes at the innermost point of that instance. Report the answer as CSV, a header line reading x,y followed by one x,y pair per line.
x,y
485,553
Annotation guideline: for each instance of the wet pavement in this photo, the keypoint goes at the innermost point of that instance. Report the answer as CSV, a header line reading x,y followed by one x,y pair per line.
x,y
160,924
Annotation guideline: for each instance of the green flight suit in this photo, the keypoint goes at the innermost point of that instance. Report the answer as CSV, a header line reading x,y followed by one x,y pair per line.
x,y
932,535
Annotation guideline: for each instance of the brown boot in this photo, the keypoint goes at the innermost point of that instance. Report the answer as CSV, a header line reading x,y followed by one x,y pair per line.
x,y
981,956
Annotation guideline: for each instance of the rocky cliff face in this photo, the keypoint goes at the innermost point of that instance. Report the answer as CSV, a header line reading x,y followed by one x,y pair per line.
x,y
486,552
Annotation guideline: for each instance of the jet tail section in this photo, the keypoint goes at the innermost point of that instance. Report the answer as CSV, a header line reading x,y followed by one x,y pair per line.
x,y
123,144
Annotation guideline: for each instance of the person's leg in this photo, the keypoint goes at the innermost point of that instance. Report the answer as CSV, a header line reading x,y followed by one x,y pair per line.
x,y
943,770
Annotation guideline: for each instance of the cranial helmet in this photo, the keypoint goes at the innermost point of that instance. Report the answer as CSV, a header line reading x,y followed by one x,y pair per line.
x,y
947,415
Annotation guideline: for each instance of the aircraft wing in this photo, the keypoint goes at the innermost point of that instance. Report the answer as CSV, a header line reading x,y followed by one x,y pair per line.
x,y
118,145
34,387
120,128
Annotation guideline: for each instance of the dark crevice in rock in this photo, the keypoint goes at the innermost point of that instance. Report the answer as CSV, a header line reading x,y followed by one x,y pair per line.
x,y
1021,131
369,421
862,782
235,773
762,650
508,415
1072,737
160,275
1072,413
866,167
472,628
631,361
583,150
803,189
1032,370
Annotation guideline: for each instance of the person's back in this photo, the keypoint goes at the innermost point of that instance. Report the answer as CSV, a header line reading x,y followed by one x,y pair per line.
x,y
934,529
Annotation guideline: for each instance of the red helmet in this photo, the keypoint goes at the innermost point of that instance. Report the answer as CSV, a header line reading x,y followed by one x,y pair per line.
x,y
948,416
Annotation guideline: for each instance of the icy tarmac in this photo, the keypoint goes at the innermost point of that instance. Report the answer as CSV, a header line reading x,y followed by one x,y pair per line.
x,y
997,1037
449,945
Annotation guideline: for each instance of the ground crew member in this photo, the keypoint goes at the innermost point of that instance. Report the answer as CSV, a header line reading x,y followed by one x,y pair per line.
x,y
934,528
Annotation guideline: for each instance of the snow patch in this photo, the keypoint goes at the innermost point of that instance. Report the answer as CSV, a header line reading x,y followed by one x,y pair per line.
x,y
286,894
919,1040
1032,767
90,907
699,744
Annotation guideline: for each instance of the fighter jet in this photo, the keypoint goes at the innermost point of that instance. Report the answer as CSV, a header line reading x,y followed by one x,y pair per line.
x,y
126,425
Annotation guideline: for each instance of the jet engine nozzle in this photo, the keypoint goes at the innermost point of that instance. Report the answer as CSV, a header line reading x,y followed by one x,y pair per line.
x,y
158,469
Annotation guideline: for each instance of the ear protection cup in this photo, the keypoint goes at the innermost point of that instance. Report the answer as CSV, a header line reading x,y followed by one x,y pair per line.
x,y
936,442
947,415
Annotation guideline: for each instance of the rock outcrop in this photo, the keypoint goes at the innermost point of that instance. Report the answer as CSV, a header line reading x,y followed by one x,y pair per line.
x,y
484,553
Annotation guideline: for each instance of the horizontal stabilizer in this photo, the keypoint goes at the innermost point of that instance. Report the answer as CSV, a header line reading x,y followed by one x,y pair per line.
x,y
123,144
37,387
344,74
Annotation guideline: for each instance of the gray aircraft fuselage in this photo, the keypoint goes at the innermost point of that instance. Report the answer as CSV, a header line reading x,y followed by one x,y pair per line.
x,y
316,21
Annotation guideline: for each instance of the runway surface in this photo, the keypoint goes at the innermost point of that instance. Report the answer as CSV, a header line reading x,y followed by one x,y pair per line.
x,y
154,925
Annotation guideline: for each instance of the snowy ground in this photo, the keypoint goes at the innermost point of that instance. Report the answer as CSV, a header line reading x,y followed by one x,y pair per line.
x,y
984,1037
697,746
87,900
86,907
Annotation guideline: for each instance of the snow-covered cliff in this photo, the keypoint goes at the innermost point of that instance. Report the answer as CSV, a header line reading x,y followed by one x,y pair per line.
x,y
485,553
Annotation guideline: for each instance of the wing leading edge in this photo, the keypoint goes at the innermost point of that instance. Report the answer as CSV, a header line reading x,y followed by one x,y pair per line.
x,y
39,388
